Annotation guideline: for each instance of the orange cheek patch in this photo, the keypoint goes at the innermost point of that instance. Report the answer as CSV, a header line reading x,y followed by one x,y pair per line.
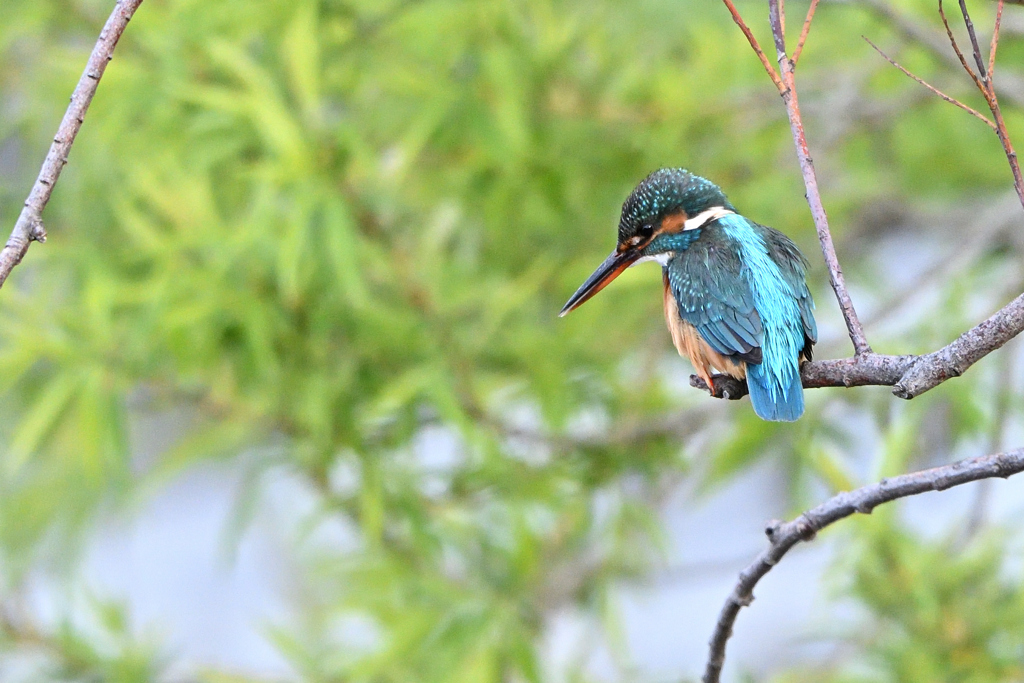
x,y
675,222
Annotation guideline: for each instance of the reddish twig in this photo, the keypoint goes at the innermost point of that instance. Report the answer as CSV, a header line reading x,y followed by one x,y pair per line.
x,y
951,100
956,49
772,73
995,42
989,91
803,33
29,227
985,85
983,80
1012,86
782,537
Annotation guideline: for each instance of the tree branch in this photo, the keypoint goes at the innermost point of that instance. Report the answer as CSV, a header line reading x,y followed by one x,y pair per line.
x,y
983,80
1012,86
952,360
782,537
974,40
789,97
29,227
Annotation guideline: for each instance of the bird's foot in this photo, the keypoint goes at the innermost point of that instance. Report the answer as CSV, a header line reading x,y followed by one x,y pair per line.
x,y
721,386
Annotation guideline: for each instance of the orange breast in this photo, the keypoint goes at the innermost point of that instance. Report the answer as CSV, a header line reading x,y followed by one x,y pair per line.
x,y
690,344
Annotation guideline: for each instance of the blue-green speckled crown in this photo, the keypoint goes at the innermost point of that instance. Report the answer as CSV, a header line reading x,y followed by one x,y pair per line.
x,y
664,192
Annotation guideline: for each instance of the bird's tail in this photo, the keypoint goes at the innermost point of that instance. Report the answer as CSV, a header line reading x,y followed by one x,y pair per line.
x,y
770,399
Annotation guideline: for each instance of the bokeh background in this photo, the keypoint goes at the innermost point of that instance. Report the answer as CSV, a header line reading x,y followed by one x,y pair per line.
x,y
284,396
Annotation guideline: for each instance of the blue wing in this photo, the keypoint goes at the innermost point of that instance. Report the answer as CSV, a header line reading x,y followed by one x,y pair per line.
x,y
793,267
714,297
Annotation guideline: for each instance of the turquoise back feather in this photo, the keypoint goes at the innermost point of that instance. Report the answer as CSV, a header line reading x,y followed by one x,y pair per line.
x,y
775,388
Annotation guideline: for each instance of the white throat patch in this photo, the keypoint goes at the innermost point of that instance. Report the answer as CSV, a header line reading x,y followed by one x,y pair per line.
x,y
662,258
705,217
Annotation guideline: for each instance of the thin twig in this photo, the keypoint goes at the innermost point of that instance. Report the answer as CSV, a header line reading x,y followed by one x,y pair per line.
x,y
1012,86
994,44
782,537
803,33
985,82
951,100
777,20
956,48
772,73
789,97
987,88
1004,139
29,227
974,40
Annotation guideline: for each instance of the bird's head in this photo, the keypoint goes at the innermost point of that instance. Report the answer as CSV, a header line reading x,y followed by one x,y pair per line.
x,y
660,209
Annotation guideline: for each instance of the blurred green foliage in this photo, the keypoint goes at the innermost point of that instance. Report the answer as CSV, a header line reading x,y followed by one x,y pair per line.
x,y
329,227
935,610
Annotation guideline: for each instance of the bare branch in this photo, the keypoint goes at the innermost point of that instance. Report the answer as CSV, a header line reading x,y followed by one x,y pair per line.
x,y
777,20
951,100
782,537
984,82
953,360
989,92
772,73
789,97
1011,85
974,40
803,33
29,227
867,369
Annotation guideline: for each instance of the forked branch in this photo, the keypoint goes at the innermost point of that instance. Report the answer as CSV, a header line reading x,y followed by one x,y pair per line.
x,y
984,81
29,227
952,100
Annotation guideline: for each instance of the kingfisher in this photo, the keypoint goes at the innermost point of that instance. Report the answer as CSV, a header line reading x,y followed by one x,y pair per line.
x,y
735,291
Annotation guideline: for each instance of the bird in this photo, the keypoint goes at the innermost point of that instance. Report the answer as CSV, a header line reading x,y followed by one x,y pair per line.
x,y
735,291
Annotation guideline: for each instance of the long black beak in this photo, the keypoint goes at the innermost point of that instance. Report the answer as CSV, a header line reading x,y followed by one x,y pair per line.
x,y
605,273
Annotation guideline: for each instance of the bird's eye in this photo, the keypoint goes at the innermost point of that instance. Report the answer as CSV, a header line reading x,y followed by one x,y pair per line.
x,y
646,230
